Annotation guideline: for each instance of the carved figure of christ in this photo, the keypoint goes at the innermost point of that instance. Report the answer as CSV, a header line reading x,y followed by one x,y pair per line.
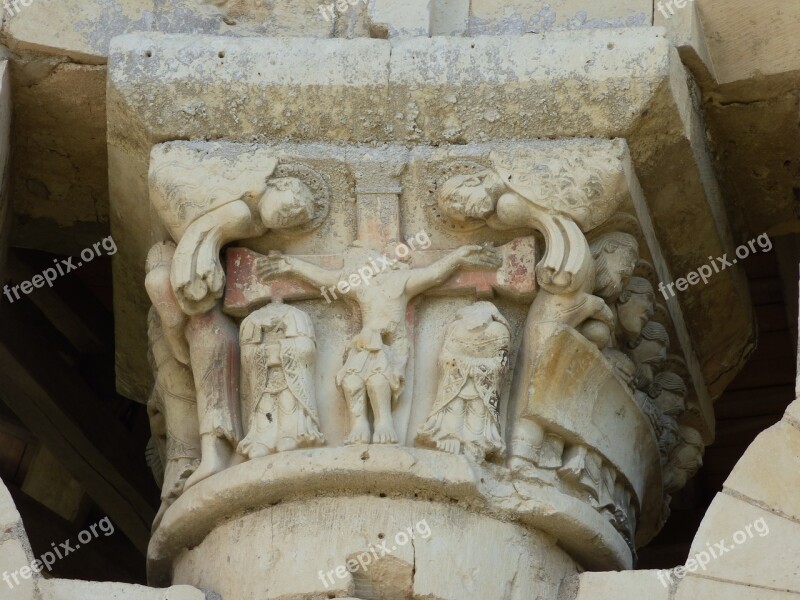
x,y
374,369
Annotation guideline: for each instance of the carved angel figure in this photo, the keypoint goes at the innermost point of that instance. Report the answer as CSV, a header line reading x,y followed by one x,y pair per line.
x,y
560,198
206,207
205,202
278,354
473,361
172,409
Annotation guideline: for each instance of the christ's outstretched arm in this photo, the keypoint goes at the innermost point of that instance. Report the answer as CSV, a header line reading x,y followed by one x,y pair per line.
x,y
278,264
480,257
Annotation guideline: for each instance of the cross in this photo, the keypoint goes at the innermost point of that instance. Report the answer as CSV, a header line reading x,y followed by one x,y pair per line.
x,y
378,214
245,290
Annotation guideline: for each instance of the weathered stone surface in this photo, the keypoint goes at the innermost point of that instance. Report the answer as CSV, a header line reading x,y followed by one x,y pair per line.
x,y
527,564
340,86
82,31
366,470
450,17
300,18
63,589
693,588
762,475
533,85
793,414
685,28
766,47
78,30
15,553
628,585
752,110
390,18
750,557
9,515
15,562
523,16
59,175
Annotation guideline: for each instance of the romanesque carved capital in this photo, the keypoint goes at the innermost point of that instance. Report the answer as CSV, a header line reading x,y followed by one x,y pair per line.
x,y
485,306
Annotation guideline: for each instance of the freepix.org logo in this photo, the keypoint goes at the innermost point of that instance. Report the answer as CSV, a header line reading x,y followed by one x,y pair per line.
x,y
374,267
12,6
704,272
63,549
60,268
362,561
715,551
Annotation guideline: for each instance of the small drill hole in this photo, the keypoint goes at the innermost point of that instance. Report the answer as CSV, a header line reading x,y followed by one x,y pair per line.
x,y
380,536
382,495
148,53
221,53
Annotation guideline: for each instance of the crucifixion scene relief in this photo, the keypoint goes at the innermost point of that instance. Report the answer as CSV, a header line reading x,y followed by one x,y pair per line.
x,y
382,300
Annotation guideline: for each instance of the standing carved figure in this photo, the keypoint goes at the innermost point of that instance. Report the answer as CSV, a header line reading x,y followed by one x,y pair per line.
x,y
205,204
172,406
172,409
473,361
278,354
